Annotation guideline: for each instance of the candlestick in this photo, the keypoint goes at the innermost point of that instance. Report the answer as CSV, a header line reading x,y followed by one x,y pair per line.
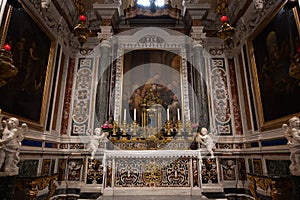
x,y
125,115
134,114
178,114
168,114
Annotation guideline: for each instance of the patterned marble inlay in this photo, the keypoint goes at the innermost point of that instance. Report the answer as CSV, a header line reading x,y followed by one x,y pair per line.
x,y
220,97
74,169
228,169
82,97
155,172
28,168
46,166
94,172
242,169
209,171
278,167
77,146
224,146
235,99
61,169
68,97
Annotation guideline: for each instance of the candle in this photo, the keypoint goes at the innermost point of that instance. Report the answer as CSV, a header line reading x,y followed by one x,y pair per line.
x,y
168,114
125,115
134,114
178,114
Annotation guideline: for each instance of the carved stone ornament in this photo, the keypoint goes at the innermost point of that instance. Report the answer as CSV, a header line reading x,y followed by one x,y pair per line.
x,y
98,137
10,143
106,33
292,133
258,4
198,35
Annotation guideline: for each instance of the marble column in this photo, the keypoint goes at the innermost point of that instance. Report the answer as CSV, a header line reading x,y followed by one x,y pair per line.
x,y
102,99
200,87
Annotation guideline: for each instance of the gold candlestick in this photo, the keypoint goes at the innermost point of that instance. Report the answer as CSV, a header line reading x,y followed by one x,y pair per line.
x,y
124,128
178,127
115,128
168,125
134,128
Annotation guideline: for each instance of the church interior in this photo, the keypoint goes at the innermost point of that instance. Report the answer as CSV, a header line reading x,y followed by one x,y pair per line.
x,y
149,99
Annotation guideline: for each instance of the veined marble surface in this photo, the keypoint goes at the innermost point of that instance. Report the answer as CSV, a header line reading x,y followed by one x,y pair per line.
x,y
152,153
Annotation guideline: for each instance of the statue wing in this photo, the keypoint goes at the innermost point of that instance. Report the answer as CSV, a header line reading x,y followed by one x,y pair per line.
x,y
21,131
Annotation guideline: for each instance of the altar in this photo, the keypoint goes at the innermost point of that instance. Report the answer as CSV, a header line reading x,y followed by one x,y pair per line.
x,y
150,172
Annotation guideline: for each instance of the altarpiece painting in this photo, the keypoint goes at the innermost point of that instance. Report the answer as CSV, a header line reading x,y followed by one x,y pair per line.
x,y
149,73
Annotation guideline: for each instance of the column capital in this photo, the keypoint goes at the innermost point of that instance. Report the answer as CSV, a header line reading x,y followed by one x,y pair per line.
x,y
198,35
106,33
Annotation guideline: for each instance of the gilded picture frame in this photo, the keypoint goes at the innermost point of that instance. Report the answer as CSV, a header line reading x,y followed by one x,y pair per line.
x,y
271,48
26,95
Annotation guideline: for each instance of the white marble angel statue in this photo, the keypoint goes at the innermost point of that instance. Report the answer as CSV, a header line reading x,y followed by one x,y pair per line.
x,y
207,139
93,145
292,133
10,144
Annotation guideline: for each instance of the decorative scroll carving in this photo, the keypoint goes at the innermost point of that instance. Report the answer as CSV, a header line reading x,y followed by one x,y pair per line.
x,y
265,183
55,24
259,13
32,185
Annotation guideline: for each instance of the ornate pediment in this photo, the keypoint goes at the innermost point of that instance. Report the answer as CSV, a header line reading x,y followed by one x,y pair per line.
x,y
151,39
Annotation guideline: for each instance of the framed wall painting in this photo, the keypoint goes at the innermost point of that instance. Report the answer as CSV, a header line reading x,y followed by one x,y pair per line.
x,y
271,49
26,94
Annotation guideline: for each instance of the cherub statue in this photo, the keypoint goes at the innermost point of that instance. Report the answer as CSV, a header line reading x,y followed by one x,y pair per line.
x,y
10,144
95,141
204,138
292,133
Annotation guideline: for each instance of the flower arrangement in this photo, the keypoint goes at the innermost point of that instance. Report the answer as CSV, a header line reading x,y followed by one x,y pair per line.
x,y
107,127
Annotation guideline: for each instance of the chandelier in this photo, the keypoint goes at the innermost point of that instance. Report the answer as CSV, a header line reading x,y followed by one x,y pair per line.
x,y
81,29
226,31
